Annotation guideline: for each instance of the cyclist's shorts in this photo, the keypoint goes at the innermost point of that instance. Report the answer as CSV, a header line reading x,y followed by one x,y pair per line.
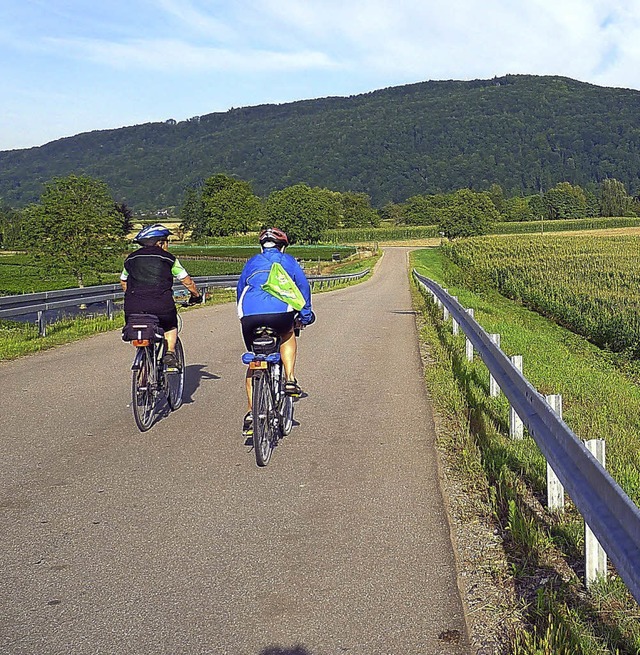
x,y
168,320
281,323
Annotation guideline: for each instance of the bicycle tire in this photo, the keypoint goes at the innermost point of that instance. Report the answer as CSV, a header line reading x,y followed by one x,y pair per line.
x,y
286,414
143,394
174,382
263,424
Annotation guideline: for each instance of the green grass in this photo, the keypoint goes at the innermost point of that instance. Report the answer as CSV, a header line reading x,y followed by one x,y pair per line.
x,y
19,339
600,401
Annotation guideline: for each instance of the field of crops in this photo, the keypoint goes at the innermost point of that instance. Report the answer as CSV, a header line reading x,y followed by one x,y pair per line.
x,y
18,274
590,284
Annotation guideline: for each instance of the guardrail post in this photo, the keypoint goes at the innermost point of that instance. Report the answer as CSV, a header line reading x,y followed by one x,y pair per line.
x,y
109,309
445,311
454,324
555,490
42,324
469,345
595,558
516,426
494,388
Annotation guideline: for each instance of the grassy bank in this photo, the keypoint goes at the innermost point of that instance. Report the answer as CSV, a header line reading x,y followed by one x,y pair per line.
x,y
504,479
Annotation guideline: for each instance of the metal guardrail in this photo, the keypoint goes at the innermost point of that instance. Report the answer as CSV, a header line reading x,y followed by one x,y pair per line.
x,y
605,507
30,303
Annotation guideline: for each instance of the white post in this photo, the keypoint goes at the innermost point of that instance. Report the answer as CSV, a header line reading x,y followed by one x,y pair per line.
x,y
555,490
454,323
469,345
494,388
516,427
445,314
109,309
595,559
42,324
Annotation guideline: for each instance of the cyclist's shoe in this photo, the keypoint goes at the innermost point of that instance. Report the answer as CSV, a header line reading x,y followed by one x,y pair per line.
x,y
292,388
247,425
170,362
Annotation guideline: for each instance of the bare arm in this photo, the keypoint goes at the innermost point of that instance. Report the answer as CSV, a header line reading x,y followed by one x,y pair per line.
x,y
191,285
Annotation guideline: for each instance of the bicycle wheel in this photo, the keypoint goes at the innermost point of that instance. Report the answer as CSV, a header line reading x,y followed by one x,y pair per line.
x,y
143,393
286,414
174,382
264,428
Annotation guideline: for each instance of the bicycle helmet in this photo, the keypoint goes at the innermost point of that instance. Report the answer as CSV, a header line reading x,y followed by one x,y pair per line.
x,y
152,233
275,236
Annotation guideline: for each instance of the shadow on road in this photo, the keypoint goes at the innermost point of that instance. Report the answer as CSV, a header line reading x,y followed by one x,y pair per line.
x,y
194,375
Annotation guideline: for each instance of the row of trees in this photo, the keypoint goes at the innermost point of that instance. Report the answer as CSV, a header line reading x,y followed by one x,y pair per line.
x,y
224,205
79,212
563,201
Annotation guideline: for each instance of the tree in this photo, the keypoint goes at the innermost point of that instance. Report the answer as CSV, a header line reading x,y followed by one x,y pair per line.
x,y
192,214
614,200
565,201
516,209
497,196
75,228
302,212
10,221
393,212
357,210
126,216
229,206
470,214
426,209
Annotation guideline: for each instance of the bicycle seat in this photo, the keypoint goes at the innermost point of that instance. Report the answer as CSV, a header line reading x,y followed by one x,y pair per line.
x,y
265,341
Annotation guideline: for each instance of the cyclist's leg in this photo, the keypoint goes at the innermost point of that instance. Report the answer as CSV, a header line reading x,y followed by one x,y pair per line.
x,y
171,336
288,351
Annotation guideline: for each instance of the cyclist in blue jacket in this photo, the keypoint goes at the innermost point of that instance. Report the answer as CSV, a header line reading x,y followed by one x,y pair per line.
x,y
257,307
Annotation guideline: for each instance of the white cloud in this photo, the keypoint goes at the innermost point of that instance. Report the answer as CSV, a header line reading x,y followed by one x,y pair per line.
x,y
177,56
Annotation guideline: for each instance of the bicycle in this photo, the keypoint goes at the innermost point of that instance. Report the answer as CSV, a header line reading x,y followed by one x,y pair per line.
x,y
271,407
150,380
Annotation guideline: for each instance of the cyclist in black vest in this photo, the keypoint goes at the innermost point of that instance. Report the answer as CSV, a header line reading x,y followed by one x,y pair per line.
x,y
147,281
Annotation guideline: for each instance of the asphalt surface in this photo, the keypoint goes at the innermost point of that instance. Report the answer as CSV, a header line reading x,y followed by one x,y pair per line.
x,y
173,541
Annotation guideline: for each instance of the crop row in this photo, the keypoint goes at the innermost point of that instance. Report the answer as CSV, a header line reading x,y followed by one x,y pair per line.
x,y
590,284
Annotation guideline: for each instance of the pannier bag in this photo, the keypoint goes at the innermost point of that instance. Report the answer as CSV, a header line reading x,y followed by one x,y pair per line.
x,y
142,329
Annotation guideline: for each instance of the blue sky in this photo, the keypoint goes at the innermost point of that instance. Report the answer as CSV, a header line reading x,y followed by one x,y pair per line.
x,y
72,66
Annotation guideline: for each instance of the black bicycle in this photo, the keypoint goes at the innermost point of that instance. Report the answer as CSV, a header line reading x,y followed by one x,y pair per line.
x,y
271,407
151,381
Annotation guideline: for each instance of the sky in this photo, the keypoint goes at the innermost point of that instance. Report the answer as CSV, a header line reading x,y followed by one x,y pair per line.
x,y
73,66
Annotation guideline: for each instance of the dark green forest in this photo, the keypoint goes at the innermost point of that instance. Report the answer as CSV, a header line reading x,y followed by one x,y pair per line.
x,y
525,133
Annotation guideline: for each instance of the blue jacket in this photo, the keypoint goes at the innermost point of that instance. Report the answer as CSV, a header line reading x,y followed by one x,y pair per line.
x,y
253,299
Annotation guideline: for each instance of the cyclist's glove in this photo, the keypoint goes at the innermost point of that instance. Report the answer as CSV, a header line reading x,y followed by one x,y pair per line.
x,y
308,321
195,300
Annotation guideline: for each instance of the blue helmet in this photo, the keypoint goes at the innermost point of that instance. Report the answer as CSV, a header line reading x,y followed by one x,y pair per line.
x,y
152,233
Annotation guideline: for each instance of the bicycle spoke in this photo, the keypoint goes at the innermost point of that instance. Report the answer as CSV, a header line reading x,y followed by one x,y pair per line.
x,y
143,394
174,382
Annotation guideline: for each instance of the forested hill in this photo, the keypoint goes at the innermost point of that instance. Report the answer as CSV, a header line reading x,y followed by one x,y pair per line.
x,y
524,132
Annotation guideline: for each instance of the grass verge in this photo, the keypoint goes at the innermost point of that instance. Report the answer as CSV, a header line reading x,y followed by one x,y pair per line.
x,y
495,481
19,339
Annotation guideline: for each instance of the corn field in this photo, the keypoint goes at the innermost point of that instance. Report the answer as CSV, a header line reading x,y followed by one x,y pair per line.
x,y
590,284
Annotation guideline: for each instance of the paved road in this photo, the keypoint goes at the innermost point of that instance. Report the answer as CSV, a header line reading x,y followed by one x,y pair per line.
x,y
173,541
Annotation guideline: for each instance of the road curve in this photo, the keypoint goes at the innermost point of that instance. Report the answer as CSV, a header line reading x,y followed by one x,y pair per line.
x,y
174,542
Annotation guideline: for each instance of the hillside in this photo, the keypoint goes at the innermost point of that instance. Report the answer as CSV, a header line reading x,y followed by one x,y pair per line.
x,y
524,132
